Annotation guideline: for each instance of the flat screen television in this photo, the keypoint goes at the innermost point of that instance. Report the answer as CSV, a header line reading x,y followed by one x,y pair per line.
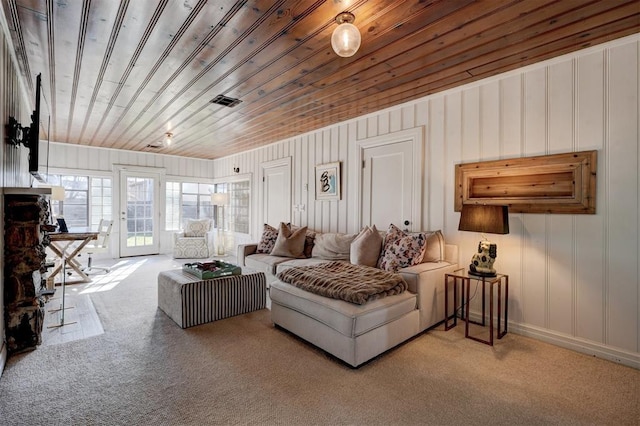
x,y
33,142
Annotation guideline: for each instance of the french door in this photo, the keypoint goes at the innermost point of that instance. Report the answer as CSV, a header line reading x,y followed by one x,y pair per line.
x,y
139,212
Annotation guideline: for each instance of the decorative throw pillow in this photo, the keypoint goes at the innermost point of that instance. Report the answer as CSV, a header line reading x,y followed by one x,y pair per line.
x,y
290,243
435,247
406,251
309,241
332,246
393,234
196,227
268,240
365,248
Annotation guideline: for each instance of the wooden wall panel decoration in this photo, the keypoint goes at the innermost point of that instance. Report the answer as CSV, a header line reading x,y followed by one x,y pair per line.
x,y
558,183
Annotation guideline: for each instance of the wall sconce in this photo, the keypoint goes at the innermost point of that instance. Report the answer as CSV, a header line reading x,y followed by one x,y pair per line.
x,y
346,37
168,140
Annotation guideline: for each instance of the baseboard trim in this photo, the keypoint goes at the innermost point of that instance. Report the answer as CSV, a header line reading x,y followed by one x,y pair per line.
x,y
587,347
577,344
3,358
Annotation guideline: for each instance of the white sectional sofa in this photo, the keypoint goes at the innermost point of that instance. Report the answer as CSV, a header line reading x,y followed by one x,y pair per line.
x,y
355,333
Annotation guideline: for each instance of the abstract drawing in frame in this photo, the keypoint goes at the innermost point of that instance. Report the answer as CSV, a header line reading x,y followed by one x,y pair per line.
x,y
328,181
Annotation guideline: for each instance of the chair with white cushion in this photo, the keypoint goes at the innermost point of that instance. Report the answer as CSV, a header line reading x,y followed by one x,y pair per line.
x,y
194,242
99,245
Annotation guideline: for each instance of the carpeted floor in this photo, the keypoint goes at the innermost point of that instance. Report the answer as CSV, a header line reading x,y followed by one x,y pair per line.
x,y
145,370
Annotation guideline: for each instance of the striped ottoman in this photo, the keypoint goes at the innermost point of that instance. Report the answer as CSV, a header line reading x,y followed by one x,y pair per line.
x,y
190,301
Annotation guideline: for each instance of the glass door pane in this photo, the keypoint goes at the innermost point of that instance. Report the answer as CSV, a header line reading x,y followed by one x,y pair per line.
x,y
139,214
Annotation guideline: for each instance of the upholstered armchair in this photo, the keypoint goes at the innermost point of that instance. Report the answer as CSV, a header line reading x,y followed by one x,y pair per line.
x,y
195,241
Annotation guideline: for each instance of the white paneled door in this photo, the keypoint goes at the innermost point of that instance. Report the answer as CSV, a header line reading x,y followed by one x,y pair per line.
x,y
390,183
276,181
139,213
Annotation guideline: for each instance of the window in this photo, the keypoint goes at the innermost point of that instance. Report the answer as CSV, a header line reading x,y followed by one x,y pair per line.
x,y
172,210
187,200
236,214
87,199
101,198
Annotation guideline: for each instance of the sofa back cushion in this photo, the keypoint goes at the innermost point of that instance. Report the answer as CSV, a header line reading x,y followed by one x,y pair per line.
x,y
197,227
435,247
290,243
333,246
366,246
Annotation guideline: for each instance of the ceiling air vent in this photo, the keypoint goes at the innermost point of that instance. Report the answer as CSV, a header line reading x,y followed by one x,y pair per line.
x,y
225,101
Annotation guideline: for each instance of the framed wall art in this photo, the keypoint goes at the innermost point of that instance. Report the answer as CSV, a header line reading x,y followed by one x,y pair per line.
x,y
328,181
557,183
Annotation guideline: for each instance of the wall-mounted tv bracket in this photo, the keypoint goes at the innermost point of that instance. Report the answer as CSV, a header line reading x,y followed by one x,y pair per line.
x,y
17,134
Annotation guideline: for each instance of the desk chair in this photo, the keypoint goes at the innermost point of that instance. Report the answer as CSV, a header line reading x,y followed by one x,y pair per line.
x,y
100,245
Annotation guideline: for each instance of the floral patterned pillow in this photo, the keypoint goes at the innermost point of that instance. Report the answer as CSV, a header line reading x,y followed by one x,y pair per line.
x,y
402,249
393,234
268,240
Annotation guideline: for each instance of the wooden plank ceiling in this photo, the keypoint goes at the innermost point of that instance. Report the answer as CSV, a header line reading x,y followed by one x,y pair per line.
x,y
121,74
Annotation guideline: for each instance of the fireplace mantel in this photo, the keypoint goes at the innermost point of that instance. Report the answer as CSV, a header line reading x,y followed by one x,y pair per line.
x,y
26,191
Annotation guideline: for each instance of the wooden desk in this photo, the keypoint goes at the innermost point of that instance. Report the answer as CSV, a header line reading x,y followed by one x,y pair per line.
x,y
60,243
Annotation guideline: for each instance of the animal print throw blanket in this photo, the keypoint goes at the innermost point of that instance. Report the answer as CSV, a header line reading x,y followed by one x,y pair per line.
x,y
338,280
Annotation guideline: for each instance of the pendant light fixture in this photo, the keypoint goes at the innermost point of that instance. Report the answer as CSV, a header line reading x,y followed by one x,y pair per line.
x,y
346,37
168,139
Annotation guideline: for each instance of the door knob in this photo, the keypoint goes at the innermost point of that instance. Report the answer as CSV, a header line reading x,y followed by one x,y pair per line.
x,y
406,223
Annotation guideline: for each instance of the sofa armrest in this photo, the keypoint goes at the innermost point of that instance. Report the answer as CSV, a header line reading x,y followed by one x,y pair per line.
x,y
427,281
245,250
176,235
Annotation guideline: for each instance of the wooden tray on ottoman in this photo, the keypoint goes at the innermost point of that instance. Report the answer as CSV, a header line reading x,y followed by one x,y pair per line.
x,y
213,269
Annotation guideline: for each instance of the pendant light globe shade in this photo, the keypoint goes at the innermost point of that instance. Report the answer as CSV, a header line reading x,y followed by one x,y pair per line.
x,y
346,37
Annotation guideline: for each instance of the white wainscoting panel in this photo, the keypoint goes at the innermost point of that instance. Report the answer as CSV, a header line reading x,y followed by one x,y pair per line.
x,y
573,278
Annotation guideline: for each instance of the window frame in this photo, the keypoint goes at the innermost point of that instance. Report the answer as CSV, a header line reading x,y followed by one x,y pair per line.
x,y
90,174
182,180
234,179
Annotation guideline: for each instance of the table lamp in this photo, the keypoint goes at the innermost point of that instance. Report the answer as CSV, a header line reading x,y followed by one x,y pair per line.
x,y
57,194
486,219
220,199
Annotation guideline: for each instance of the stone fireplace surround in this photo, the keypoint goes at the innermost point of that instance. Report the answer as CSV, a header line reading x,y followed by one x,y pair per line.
x,y
26,214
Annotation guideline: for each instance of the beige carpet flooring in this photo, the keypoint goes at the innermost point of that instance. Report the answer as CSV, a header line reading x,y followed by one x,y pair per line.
x,y
145,370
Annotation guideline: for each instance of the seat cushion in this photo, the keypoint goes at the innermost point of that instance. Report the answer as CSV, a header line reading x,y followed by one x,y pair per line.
x,y
292,263
348,319
262,262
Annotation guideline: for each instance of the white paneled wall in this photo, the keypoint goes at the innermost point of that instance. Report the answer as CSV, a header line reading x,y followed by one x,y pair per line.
x,y
75,157
14,167
574,278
